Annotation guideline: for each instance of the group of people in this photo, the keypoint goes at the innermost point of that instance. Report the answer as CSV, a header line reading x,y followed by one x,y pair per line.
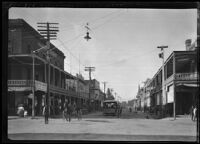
x,y
193,113
21,111
68,111
71,109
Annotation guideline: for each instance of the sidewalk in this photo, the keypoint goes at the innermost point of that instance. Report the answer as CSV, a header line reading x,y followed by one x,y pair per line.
x,y
92,114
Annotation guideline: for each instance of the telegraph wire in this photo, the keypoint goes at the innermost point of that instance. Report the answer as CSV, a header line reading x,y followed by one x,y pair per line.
x,y
132,56
19,61
70,51
107,20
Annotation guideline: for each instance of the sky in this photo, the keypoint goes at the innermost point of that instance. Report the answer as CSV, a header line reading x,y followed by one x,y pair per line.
x,y
123,48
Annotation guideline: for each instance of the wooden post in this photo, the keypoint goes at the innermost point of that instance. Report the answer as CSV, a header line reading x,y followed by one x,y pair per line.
x,y
33,87
174,83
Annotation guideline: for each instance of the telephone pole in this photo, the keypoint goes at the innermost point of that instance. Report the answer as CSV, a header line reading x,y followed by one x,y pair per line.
x,y
49,33
161,55
90,69
104,84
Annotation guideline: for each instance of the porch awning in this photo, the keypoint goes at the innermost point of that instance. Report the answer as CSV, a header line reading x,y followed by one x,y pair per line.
x,y
19,89
188,85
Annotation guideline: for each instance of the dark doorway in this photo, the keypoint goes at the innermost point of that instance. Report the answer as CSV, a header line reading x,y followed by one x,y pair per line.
x,y
183,102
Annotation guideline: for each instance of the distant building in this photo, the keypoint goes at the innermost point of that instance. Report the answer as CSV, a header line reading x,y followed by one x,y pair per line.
x,y
95,93
124,104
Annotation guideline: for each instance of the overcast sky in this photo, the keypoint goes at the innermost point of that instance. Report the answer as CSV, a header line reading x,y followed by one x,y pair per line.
x,y
123,48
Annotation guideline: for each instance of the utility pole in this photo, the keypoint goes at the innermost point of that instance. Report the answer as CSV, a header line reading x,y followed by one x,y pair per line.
x,y
104,84
90,69
161,55
49,33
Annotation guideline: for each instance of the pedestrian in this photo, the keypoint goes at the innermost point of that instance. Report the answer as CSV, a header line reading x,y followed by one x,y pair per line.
x,y
65,113
78,112
69,111
74,111
20,110
118,111
46,114
191,113
194,113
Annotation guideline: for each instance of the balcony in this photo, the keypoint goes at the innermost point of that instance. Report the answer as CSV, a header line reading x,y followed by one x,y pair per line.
x,y
186,76
19,85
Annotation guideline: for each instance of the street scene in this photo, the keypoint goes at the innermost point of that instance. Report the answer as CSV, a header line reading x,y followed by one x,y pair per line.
x,y
129,127
103,74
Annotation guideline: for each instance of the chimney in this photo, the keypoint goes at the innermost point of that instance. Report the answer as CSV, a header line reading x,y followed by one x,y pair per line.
x,y
188,44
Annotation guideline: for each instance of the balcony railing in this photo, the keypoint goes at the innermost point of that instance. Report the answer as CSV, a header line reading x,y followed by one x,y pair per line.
x,y
186,76
19,82
20,85
28,83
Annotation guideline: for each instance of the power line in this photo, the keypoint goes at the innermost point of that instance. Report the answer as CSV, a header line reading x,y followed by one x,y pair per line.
x,y
104,16
131,56
106,21
19,61
70,51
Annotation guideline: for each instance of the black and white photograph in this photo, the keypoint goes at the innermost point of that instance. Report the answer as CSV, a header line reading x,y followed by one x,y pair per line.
x,y
102,73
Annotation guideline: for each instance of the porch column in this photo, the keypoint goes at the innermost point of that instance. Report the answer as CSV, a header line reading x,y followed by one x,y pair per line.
x,y
53,107
53,76
33,86
174,83
60,81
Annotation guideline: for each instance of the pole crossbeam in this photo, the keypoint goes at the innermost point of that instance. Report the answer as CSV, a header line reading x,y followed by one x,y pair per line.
x,y
48,30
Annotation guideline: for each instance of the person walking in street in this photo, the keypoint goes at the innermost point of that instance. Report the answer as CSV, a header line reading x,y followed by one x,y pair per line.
x,y
118,111
194,113
74,109
191,113
69,111
78,112
65,113
46,114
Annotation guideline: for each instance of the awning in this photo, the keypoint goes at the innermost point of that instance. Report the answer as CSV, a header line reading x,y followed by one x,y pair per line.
x,y
188,85
19,89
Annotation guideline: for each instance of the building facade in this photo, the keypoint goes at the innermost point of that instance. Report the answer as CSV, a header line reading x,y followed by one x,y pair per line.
x,y
28,74
180,83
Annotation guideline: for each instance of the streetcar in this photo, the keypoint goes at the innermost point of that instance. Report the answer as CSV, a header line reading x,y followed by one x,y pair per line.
x,y
110,107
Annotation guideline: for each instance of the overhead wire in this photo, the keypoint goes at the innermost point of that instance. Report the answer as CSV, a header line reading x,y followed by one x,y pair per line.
x,y
70,51
19,61
131,56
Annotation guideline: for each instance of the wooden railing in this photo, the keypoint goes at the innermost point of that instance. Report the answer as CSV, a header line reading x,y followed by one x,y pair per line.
x,y
43,87
28,83
19,82
186,76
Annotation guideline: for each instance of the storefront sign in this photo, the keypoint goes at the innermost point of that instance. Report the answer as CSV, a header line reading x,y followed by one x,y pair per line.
x,y
40,86
19,88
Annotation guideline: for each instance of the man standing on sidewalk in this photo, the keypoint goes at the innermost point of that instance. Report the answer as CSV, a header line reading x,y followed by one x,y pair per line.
x,y
46,114
69,111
